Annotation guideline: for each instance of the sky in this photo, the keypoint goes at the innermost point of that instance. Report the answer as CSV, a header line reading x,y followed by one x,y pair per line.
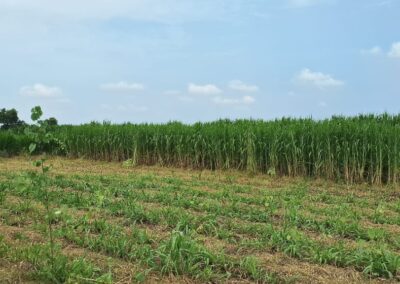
x,y
199,60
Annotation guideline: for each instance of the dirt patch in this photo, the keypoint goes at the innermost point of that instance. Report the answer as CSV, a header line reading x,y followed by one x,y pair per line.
x,y
12,234
11,273
304,272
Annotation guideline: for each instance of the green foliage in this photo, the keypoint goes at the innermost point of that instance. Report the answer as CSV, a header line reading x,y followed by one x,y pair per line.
x,y
56,268
52,121
9,118
353,149
13,144
41,135
248,224
36,113
180,255
379,263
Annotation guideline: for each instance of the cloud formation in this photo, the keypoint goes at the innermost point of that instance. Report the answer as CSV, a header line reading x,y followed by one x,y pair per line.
x,y
376,50
122,87
318,79
245,100
40,91
208,89
238,85
395,50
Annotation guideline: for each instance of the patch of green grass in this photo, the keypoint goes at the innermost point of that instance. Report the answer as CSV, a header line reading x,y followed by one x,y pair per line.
x,y
203,230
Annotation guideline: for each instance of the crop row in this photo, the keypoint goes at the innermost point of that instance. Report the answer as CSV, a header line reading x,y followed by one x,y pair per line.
x,y
228,221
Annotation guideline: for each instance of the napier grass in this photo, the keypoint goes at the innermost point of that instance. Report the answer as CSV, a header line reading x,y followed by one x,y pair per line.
x,y
359,149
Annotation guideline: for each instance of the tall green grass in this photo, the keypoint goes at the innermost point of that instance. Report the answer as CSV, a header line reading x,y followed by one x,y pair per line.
x,y
355,149
12,143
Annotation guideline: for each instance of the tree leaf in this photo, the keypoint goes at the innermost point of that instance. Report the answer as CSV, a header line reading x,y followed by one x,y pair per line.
x,y
36,113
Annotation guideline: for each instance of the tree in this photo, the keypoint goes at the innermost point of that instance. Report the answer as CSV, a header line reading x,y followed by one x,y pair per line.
x,y
9,118
52,121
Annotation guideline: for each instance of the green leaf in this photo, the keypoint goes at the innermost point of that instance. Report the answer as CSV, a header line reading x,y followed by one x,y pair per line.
x,y
36,113
32,148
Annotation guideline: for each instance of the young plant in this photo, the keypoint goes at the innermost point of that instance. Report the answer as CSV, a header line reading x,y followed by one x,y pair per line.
x,y
41,137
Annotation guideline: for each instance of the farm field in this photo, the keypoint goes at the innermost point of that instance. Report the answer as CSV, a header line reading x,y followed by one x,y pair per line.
x,y
356,149
122,224
189,141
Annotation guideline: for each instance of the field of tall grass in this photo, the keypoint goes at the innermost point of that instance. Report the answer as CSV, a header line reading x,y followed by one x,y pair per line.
x,y
354,149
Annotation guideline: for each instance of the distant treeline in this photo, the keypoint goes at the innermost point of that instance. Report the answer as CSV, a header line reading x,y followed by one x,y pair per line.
x,y
354,149
9,120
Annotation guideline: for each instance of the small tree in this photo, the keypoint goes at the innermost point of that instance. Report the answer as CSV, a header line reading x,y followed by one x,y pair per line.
x,y
8,118
54,265
40,137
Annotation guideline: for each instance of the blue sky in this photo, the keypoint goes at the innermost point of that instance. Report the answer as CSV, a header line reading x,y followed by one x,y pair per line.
x,y
199,60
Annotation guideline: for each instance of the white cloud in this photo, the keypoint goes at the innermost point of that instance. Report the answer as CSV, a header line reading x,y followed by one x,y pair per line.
x,y
395,50
237,85
40,91
246,100
376,50
208,89
318,79
122,87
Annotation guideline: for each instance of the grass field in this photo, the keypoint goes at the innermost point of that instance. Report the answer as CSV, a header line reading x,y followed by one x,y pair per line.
x,y
116,224
358,149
